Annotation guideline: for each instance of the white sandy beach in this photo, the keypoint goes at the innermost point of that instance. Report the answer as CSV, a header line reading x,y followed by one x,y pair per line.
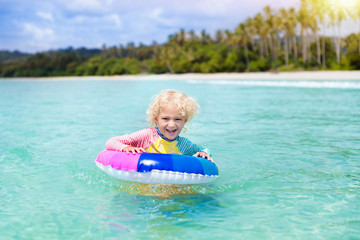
x,y
288,76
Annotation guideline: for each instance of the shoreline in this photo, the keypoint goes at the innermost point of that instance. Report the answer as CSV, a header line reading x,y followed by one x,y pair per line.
x,y
252,76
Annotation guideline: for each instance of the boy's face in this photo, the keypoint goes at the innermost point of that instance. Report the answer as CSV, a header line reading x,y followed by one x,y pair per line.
x,y
170,122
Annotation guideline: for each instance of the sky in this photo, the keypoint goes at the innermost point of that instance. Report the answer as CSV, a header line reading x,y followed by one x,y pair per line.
x,y
40,25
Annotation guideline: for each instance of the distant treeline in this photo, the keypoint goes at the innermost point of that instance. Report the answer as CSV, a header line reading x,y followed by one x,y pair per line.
x,y
282,40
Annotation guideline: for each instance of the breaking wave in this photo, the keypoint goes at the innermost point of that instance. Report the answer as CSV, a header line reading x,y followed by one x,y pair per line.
x,y
283,83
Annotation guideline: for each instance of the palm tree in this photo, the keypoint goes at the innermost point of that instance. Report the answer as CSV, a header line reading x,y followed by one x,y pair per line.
x,y
313,26
205,38
250,26
292,21
341,16
131,50
319,8
303,18
228,36
337,14
270,26
356,16
315,12
192,35
357,7
278,28
259,27
167,52
286,27
219,36
182,37
241,37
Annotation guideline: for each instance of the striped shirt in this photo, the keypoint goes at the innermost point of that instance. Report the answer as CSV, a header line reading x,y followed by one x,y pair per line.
x,y
152,142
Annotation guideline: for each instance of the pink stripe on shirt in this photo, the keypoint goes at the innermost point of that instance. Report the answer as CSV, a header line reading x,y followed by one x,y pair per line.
x,y
140,139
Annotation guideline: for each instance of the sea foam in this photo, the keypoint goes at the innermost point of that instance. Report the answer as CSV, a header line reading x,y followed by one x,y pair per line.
x,y
283,83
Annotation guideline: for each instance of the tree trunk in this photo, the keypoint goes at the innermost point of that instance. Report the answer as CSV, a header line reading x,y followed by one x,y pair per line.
x,y
266,47
309,40
308,52
318,51
247,56
275,47
278,43
359,35
261,47
253,44
169,66
295,49
290,46
272,48
323,48
286,49
304,48
338,44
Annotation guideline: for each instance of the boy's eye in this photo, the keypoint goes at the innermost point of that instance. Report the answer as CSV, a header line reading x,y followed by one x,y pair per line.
x,y
165,118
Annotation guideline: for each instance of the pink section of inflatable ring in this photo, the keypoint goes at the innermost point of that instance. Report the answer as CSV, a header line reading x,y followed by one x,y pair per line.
x,y
119,160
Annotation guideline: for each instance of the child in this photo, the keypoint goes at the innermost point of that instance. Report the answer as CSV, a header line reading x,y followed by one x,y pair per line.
x,y
169,112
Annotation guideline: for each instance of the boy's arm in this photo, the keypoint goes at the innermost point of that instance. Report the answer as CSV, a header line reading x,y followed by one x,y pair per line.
x,y
204,155
203,152
203,149
139,139
186,147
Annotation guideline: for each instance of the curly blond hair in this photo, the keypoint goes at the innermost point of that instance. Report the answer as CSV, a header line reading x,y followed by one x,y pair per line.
x,y
187,106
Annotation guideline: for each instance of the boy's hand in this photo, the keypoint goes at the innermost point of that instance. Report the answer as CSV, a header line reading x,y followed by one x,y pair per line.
x,y
133,150
203,155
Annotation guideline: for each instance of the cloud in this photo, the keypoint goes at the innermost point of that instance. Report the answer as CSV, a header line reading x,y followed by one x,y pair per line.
x,y
155,13
96,21
37,38
87,5
45,15
38,33
115,19
91,23
157,16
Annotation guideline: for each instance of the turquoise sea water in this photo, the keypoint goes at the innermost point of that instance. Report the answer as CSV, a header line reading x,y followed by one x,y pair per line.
x,y
288,153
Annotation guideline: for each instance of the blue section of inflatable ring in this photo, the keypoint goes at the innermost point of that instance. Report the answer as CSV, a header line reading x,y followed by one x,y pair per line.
x,y
176,163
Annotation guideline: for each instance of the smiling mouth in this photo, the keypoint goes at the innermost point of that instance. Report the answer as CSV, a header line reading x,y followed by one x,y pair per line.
x,y
171,131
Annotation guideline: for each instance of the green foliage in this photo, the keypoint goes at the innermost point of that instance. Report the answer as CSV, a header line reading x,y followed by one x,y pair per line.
x,y
259,65
230,63
53,63
7,56
344,65
157,66
132,66
244,49
353,51
289,68
354,61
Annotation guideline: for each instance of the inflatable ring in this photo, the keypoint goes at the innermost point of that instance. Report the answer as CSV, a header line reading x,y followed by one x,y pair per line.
x,y
157,168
